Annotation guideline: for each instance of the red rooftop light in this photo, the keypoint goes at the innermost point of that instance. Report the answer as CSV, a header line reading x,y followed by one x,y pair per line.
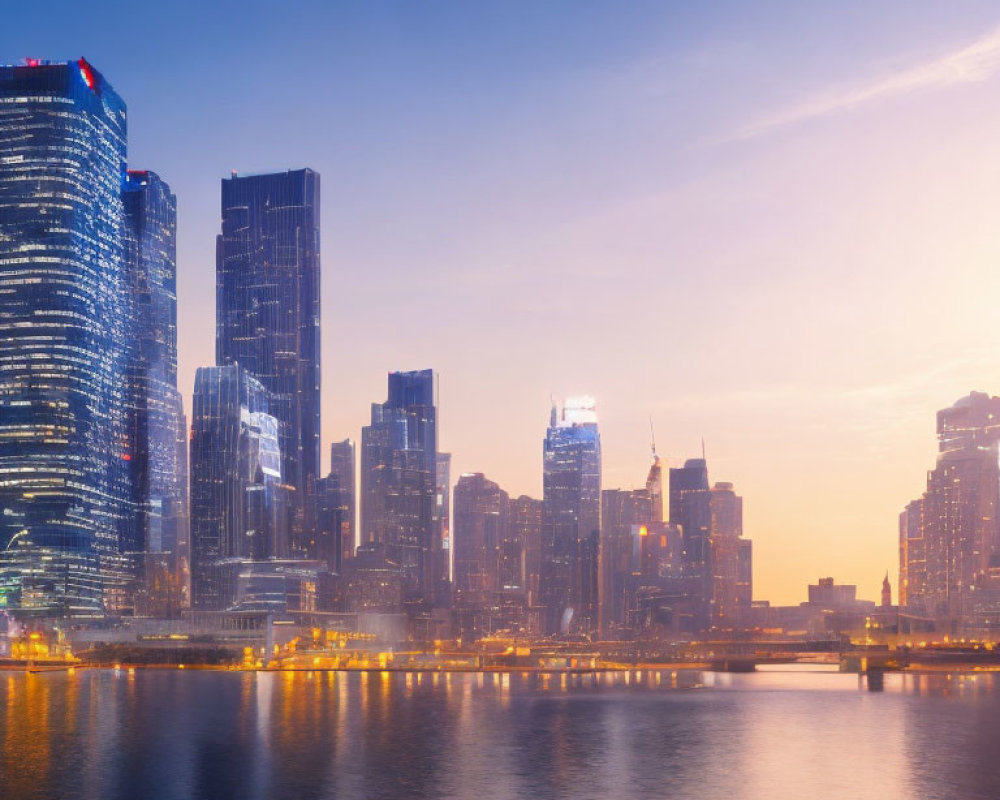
x,y
87,73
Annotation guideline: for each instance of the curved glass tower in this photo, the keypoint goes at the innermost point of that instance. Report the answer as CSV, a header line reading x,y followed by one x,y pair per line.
x,y
64,324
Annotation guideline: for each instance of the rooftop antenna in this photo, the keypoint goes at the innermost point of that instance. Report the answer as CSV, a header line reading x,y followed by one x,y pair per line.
x,y
652,440
702,448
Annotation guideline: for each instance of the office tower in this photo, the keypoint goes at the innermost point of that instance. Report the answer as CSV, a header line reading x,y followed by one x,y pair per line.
x,y
442,513
481,519
689,508
66,517
912,556
158,466
526,529
958,514
571,518
399,482
268,314
726,509
237,496
621,512
327,544
342,467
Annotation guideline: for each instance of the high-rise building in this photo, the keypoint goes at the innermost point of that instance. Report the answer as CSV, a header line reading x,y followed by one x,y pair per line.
x,y
158,465
948,539
726,509
268,314
327,542
237,495
744,583
621,512
912,556
481,521
66,507
716,563
571,518
526,530
342,467
442,513
399,482
690,509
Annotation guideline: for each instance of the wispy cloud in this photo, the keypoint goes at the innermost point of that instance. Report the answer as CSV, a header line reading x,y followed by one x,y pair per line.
x,y
936,383
975,62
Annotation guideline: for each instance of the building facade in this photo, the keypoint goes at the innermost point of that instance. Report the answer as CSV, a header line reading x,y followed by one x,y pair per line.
x,y
571,518
238,498
622,511
157,423
399,483
949,539
67,531
343,468
268,314
690,510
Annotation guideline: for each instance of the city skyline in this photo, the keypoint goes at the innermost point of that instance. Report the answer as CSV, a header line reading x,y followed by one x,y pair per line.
x,y
828,407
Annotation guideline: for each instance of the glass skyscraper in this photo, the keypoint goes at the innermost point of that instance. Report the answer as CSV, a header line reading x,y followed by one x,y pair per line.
x,y
238,498
157,425
342,468
268,314
571,518
65,324
399,482
690,508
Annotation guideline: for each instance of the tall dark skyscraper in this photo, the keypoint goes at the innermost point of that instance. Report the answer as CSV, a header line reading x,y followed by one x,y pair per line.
x,y
65,325
268,313
334,534
342,467
690,508
237,495
158,464
399,481
571,518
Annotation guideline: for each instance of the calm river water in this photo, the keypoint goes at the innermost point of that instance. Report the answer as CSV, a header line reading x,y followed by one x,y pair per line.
x,y
792,733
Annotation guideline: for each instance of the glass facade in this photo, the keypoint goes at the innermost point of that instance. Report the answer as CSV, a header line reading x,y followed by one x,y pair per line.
x,y
159,466
690,509
571,518
342,469
268,314
65,322
481,530
399,481
238,500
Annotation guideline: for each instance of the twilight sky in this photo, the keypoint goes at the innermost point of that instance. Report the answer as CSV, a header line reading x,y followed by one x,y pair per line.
x,y
773,225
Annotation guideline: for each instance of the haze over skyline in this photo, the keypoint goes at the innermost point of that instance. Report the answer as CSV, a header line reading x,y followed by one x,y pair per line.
x,y
771,227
